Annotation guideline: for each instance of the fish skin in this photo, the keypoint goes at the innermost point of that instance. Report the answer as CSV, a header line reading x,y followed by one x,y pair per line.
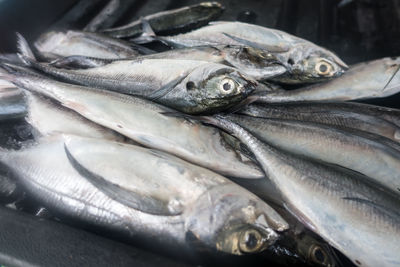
x,y
252,62
45,171
54,44
372,79
379,162
327,113
302,58
355,217
176,19
164,81
12,102
48,118
192,141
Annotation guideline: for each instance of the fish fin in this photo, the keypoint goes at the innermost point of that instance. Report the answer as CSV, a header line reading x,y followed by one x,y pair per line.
x,y
23,47
147,204
393,87
269,48
147,35
166,88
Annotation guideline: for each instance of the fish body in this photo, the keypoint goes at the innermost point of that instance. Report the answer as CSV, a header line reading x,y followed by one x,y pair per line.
x,y
305,61
373,79
49,118
327,113
12,102
186,85
199,205
184,18
355,217
252,62
379,162
143,121
54,44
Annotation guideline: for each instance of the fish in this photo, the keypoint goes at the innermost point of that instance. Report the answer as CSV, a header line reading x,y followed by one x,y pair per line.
x,y
380,163
145,194
306,62
357,218
332,113
12,102
54,44
189,86
373,79
297,241
143,122
184,18
252,62
49,118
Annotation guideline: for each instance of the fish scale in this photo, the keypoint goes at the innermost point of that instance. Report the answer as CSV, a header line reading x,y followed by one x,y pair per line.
x,y
379,162
142,121
316,195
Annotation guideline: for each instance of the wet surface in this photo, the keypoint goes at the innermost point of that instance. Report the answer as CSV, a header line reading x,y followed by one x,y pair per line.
x,y
357,30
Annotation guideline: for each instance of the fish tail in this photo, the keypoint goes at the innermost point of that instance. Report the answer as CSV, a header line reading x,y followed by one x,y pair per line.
x,y
24,51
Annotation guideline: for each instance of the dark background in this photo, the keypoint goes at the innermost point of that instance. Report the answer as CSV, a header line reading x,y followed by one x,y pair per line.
x,y
357,30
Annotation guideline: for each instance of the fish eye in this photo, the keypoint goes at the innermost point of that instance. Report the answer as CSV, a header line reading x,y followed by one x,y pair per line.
x,y
318,255
227,86
190,86
250,241
323,68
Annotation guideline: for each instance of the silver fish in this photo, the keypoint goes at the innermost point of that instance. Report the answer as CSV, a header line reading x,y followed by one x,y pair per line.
x,y
159,198
305,61
12,102
327,113
373,79
48,118
176,19
252,62
358,219
52,45
186,85
379,162
142,121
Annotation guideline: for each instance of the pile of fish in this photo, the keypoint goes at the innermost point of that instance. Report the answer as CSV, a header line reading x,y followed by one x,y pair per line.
x,y
170,147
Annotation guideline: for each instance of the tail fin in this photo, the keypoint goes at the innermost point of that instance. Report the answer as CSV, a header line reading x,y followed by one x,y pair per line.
x,y
24,51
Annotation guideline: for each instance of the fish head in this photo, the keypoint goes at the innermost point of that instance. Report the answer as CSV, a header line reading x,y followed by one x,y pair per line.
x,y
310,246
230,220
311,65
213,87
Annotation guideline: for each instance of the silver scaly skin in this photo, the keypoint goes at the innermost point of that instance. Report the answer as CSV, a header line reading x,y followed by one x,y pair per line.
x,y
305,61
48,118
74,43
143,122
181,18
360,220
342,115
378,161
373,79
186,85
177,204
